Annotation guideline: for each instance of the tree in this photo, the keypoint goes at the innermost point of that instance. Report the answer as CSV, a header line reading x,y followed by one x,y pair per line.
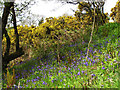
x,y
6,12
23,12
15,27
115,15
91,34
0,46
6,58
85,13
9,12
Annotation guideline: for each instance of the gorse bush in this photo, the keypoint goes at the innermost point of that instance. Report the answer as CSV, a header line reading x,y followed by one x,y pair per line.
x,y
115,12
32,36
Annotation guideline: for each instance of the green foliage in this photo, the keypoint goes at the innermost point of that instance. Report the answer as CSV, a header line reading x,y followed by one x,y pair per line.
x,y
109,29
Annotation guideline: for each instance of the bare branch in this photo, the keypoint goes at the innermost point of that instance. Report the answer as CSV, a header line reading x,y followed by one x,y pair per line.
x,y
73,2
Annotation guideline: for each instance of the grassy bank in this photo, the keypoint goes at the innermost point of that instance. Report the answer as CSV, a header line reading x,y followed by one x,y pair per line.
x,y
99,70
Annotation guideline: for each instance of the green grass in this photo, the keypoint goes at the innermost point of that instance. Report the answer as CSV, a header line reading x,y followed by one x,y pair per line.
x,y
100,70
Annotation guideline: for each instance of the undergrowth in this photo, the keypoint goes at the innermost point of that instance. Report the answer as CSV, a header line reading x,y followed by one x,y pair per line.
x,y
99,70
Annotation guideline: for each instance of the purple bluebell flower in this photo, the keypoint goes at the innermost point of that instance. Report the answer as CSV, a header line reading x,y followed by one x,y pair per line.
x,y
76,53
90,50
93,61
103,67
78,73
52,81
95,45
59,71
109,78
81,52
102,63
38,77
16,77
33,80
39,69
82,71
16,86
86,63
32,67
105,59
68,68
63,56
27,81
101,46
90,64
43,82
44,76
83,42
100,43
114,60
93,74
109,56
106,42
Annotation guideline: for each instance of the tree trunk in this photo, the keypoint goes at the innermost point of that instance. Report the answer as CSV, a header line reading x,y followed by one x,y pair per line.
x,y
12,56
97,20
6,12
91,34
19,51
15,27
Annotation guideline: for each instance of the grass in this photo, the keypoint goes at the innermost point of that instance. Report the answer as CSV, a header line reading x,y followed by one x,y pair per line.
x,y
100,70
